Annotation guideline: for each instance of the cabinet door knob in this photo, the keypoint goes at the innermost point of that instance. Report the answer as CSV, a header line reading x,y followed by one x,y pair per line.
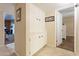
x,y
38,19
39,36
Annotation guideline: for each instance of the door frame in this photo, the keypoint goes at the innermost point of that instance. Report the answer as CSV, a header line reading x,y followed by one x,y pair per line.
x,y
58,10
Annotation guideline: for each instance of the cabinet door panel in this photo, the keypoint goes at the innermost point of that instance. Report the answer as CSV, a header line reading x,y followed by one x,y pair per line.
x,y
37,20
38,40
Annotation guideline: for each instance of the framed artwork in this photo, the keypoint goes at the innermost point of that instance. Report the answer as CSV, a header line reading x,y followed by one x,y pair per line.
x,y
49,19
18,15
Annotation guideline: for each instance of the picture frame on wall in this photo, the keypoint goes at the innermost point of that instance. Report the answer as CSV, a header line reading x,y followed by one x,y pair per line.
x,y
50,19
18,15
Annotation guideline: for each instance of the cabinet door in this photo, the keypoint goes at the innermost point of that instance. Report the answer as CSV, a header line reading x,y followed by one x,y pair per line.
x,y
37,29
38,40
36,20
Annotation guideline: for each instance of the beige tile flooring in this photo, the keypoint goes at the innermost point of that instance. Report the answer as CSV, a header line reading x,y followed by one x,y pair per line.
x,y
48,51
4,51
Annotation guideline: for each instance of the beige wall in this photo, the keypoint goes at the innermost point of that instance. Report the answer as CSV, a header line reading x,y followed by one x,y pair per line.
x,y
20,31
50,27
69,21
4,9
1,29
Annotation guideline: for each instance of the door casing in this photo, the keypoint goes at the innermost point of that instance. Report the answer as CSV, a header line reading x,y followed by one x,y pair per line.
x,y
58,10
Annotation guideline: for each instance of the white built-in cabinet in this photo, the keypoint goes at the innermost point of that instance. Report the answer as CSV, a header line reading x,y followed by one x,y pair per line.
x,y
37,29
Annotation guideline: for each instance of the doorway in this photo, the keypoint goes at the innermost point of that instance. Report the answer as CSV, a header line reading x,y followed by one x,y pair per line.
x,y
65,28
9,31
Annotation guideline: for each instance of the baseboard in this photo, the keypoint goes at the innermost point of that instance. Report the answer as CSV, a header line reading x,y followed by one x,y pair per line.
x,y
52,46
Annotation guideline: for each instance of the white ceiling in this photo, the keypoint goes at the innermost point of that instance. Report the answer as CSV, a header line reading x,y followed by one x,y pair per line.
x,y
47,6
68,12
4,6
7,9
52,5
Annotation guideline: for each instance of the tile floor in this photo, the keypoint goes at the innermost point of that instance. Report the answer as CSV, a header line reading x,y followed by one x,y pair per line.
x,y
4,51
48,51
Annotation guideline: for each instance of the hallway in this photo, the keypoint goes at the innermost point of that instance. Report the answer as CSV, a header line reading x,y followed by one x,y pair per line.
x,y
48,51
68,43
45,51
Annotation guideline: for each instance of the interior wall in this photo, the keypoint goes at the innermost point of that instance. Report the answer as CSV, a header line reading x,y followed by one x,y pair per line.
x,y
50,27
69,21
8,9
4,9
20,31
1,29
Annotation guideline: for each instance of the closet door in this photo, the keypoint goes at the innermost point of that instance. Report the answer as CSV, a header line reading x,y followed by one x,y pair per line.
x,y
37,29
37,19
77,29
38,40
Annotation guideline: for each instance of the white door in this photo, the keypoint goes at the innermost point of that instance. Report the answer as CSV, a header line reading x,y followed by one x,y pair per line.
x,y
58,28
37,29
77,28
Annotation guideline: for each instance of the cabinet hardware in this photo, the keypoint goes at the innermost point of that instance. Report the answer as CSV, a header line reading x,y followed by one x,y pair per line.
x,y
40,36
38,19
